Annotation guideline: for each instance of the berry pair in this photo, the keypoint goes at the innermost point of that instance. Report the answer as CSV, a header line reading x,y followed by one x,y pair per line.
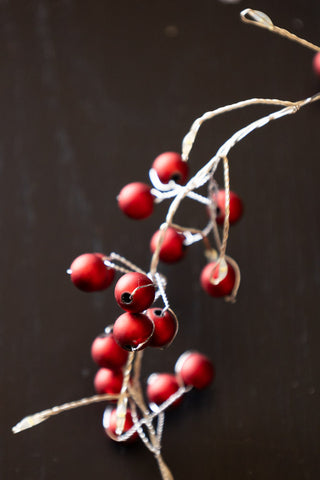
x,y
135,330
134,293
155,328
192,369
111,358
210,279
136,199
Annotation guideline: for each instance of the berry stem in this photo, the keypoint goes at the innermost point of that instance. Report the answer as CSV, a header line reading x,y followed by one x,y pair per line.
x,y
227,208
33,420
123,398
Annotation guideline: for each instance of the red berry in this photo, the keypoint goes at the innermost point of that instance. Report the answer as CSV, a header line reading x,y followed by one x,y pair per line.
x,y
89,273
161,386
224,287
108,381
316,64
136,200
165,327
170,166
132,331
134,292
106,352
172,249
235,207
110,424
195,369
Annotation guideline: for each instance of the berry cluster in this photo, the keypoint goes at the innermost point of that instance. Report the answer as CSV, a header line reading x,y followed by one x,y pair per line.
x,y
134,293
139,327
118,350
192,369
169,171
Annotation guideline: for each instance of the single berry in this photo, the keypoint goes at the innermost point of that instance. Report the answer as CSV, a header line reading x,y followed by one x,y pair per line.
x,y
132,331
106,352
136,200
172,249
108,381
223,288
170,166
134,292
165,327
110,424
89,273
195,369
316,64
235,207
160,386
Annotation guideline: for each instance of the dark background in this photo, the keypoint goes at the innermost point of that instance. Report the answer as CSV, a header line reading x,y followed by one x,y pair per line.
x,y
90,93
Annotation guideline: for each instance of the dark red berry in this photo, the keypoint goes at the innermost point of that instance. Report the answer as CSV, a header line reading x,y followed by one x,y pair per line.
x,y
89,273
224,287
165,327
136,200
132,331
172,249
316,64
106,352
134,292
108,381
110,424
195,369
170,166
235,207
161,386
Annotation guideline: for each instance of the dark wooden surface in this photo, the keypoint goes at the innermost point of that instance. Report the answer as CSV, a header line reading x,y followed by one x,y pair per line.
x,y
90,93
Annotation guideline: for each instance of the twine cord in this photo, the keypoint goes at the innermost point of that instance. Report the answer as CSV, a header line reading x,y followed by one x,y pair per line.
x,y
260,19
123,398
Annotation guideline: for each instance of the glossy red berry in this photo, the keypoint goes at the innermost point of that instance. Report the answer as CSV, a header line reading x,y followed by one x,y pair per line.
x,y
89,273
136,200
160,386
316,64
236,207
224,287
108,381
195,369
132,331
170,166
106,352
172,249
165,327
134,292
110,424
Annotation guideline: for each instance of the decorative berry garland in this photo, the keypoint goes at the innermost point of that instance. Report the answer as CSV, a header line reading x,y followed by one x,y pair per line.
x,y
119,350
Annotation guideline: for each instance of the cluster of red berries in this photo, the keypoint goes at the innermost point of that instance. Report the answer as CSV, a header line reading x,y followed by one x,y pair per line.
x,y
136,200
140,326
192,369
134,293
